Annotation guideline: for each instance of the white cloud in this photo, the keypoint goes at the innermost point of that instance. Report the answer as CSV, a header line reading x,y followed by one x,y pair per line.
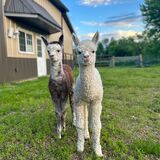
x,y
130,21
100,2
117,35
95,2
113,24
120,33
92,23
86,36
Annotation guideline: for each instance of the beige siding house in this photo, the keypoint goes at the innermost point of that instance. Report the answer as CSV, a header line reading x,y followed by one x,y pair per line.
x,y
22,23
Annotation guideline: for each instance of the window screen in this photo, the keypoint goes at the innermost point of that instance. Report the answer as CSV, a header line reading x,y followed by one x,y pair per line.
x,y
22,43
39,48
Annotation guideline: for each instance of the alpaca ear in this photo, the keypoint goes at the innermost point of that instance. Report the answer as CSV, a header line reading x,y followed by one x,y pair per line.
x,y
61,39
95,37
76,40
45,41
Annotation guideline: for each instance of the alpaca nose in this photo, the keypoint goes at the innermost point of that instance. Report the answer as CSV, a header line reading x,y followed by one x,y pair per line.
x,y
52,56
86,55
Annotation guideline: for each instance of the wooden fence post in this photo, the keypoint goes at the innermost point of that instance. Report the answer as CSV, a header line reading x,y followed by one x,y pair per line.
x,y
113,61
140,60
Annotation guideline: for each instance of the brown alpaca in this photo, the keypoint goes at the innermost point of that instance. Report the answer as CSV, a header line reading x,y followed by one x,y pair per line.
x,y
60,82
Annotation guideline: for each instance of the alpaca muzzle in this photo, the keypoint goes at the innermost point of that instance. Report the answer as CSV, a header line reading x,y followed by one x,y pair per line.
x,y
86,58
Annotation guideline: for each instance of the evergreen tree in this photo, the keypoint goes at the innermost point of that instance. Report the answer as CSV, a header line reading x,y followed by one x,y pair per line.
x,y
100,49
151,13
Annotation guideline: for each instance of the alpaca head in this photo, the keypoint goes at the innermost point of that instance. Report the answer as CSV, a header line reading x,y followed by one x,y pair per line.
x,y
86,50
55,49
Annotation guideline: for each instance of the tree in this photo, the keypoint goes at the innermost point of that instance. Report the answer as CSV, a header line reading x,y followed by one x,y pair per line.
x,y
100,49
148,46
105,42
123,47
151,48
151,13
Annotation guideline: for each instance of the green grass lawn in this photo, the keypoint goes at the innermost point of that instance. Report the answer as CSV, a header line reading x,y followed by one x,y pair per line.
x,y
130,119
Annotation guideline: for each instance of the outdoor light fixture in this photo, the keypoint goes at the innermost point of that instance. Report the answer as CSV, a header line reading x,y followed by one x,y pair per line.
x,y
12,33
16,33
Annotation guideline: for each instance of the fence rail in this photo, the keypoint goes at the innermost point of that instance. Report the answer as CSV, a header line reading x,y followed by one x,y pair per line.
x,y
138,61
68,59
113,61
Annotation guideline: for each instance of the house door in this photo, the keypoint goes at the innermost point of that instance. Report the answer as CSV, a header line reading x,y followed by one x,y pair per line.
x,y
41,58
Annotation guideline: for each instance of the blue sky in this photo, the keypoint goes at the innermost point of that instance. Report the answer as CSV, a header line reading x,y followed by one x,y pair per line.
x,y
112,18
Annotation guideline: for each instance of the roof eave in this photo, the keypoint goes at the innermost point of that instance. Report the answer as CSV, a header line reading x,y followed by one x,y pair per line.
x,y
36,16
20,15
60,5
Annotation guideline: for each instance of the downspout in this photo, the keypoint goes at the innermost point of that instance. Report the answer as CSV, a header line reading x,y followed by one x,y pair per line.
x,y
63,35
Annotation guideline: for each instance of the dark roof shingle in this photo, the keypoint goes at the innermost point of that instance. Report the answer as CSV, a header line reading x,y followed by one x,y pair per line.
x,y
32,8
29,7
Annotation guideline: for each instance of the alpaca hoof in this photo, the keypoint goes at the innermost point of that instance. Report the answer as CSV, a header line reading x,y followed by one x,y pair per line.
x,y
59,136
87,136
98,151
74,123
99,154
64,128
80,148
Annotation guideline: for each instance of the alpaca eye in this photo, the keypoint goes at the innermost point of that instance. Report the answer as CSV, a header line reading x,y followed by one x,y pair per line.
x,y
93,52
58,51
79,52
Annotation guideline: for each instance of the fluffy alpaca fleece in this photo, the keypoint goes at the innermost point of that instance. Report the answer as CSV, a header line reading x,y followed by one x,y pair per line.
x,y
60,82
88,95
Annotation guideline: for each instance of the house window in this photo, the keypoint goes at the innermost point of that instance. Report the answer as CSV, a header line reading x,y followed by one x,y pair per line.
x,y
25,42
22,43
39,48
29,43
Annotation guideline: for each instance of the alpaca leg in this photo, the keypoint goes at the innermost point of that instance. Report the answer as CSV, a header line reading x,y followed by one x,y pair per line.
x,y
60,114
74,118
58,117
80,127
72,106
63,120
96,108
59,124
86,132
63,114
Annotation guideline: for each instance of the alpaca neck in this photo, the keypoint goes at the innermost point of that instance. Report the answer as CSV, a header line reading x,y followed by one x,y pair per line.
x,y
56,70
86,72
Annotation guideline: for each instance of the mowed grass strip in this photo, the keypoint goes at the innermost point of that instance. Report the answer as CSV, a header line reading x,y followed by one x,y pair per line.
x,y
130,119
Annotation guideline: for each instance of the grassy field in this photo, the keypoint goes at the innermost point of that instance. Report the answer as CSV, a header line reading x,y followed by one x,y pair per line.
x,y
130,119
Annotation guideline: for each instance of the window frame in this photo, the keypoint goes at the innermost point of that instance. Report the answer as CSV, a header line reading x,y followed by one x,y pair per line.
x,y
38,38
26,52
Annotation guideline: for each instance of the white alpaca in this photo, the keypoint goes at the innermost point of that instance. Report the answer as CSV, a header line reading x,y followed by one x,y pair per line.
x,y
88,95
